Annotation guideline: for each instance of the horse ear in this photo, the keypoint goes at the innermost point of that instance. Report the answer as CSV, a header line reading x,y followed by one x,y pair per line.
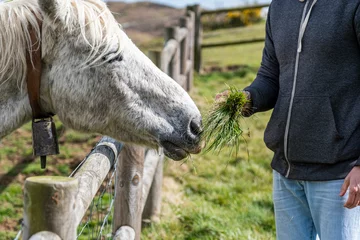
x,y
56,10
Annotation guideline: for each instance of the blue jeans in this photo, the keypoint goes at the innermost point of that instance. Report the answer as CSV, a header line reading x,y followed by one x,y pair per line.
x,y
309,210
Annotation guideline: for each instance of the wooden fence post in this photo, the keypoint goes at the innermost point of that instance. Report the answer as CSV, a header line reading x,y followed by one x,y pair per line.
x,y
198,36
49,204
152,206
124,233
174,71
155,57
187,65
45,235
185,52
57,204
191,37
128,188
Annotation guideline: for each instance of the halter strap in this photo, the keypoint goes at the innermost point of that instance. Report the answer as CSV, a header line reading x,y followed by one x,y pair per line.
x,y
33,77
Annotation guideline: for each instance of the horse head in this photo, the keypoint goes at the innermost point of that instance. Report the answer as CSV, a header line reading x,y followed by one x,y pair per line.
x,y
96,80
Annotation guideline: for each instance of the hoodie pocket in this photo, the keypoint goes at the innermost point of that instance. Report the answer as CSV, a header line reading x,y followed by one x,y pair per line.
x,y
274,132
313,136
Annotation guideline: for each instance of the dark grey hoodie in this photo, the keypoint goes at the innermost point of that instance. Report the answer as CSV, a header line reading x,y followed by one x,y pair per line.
x,y
310,75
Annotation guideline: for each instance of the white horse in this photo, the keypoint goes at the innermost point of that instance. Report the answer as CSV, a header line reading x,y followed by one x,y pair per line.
x,y
93,77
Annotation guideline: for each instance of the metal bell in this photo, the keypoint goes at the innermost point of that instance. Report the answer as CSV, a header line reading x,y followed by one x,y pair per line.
x,y
45,141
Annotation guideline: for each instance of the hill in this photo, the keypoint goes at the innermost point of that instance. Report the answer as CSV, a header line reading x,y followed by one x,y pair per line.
x,y
143,21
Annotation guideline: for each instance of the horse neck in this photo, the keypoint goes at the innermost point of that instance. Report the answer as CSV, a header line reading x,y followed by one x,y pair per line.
x,y
15,109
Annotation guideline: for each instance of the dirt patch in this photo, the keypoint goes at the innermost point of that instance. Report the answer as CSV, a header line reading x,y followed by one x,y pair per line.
x,y
9,225
172,191
172,198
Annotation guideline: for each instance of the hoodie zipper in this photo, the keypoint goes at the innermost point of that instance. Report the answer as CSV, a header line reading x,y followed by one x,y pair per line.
x,y
304,21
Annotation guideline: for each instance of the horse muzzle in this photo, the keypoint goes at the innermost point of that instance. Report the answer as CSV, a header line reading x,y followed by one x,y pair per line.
x,y
181,146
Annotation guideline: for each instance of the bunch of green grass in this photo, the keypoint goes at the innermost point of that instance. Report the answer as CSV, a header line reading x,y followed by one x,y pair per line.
x,y
223,124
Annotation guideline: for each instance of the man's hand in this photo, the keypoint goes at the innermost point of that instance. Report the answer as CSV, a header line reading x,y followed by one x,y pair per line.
x,y
352,182
248,107
247,110
223,94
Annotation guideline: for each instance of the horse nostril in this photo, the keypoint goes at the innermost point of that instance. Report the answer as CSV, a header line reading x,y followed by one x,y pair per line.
x,y
196,127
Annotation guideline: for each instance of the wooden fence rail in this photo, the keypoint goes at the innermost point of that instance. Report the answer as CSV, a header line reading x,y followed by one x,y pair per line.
x,y
199,31
54,206
177,57
225,44
226,10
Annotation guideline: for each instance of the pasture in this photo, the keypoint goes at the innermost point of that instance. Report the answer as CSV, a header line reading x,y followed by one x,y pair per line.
x,y
208,196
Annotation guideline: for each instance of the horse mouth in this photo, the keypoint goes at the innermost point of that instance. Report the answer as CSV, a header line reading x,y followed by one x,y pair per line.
x,y
175,152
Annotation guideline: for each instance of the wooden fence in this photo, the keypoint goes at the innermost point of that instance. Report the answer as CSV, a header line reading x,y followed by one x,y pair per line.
x,y
199,32
54,206
177,57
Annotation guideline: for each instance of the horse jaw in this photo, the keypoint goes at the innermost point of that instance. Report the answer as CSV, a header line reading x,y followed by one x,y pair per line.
x,y
14,111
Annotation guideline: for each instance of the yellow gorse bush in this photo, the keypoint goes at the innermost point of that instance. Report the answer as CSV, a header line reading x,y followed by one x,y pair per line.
x,y
244,17
231,19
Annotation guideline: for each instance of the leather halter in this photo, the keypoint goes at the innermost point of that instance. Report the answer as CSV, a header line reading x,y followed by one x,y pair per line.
x,y
33,77
44,141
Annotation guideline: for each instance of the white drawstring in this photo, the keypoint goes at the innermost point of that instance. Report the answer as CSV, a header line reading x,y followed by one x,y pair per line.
x,y
304,25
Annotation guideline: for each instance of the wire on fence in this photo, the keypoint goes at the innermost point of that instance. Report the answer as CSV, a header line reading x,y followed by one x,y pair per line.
x,y
97,222
18,235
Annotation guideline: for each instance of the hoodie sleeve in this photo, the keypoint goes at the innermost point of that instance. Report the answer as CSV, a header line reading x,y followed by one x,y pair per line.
x,y
357,30
265,88
357,23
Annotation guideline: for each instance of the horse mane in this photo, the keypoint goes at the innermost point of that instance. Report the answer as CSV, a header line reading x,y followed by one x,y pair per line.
x,y
91,20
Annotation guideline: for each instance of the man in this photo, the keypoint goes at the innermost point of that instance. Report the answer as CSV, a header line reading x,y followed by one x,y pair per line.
x,y
310,75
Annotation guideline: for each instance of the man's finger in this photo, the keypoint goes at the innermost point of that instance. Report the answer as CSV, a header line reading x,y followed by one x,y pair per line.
x,y
344,187
351,201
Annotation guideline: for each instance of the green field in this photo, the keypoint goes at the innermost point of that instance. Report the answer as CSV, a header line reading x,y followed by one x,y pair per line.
x,y
209,196
247,54
219,196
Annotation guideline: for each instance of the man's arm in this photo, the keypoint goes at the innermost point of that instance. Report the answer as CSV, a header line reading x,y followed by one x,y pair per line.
x,y
352,180
265,88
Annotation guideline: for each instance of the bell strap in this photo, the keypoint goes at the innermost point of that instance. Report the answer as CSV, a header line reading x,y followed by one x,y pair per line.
x,y
33,75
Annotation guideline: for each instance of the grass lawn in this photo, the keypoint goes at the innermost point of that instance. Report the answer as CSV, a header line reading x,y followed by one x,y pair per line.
x,y
208,196
217,195
247,54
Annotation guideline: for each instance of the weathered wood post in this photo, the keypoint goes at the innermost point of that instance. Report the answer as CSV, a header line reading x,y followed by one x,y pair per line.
x,y
44,235
173,33
198,36
191,45
155,56
124,233
128,188
57,204
154,164
49,204
187,49
184,51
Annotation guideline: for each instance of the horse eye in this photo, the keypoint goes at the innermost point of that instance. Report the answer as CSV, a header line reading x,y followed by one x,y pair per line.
x,y
120,58
112,59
